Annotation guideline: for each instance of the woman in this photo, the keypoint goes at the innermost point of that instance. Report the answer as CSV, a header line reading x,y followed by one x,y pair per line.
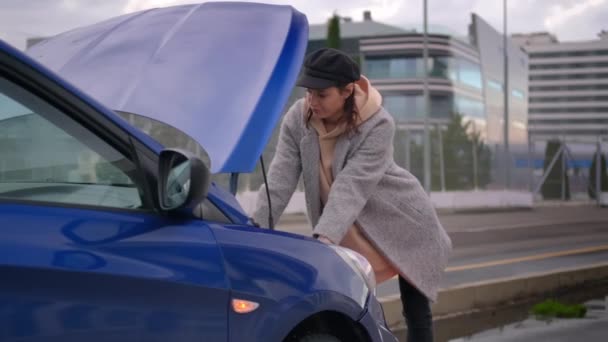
x,y
341,140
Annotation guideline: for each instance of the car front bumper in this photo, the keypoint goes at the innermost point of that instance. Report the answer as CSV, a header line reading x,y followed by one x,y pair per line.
x,y
375,324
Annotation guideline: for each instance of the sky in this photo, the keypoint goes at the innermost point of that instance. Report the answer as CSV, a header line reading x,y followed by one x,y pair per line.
x,y
567,19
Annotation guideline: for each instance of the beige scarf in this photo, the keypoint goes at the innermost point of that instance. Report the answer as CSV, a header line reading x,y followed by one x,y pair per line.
x,y
368,101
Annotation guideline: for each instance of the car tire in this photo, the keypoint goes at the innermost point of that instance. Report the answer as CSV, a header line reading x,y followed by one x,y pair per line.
x,y
319,338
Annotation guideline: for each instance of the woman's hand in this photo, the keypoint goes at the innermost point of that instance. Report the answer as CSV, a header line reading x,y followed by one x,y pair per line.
x,y
324,239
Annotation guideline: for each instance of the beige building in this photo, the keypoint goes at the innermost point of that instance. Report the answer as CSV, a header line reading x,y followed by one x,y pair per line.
x,y
568,86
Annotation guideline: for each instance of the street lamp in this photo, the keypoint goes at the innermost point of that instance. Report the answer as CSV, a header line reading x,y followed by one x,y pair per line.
x,y
427,107
507,159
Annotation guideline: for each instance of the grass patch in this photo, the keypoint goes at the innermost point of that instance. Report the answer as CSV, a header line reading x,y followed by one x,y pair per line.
x,y
554,309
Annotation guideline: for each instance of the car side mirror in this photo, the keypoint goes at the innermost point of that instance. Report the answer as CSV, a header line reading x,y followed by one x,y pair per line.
x,y
183,179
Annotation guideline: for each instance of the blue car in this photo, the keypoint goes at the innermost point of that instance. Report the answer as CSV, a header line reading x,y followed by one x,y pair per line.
x,y
110,226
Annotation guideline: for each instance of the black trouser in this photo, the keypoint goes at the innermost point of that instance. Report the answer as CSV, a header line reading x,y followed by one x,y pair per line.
x,y
417,313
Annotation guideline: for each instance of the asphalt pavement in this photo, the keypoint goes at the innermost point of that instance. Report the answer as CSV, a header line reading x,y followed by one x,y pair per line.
x,y
492,246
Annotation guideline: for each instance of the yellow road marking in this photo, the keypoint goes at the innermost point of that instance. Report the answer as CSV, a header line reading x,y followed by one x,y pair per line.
x,y
526,258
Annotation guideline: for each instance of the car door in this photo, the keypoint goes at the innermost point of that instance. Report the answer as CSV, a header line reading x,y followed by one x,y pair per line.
x,y
84,256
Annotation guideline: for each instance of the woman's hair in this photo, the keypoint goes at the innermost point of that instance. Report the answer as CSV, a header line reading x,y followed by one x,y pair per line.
x,y
351,112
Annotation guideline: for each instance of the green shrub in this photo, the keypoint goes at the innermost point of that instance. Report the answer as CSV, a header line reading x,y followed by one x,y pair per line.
x,y
552,187
593,176
554,309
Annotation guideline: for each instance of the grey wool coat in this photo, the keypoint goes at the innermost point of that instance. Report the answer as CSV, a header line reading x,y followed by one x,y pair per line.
x,y
389,204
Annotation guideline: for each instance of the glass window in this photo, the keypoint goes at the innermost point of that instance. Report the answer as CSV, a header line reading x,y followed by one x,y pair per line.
x,y
517,94
569,110
404,107
494,85
444,67
568,77
210,212
411,107
569,99
569,54
406,68
569,66
46,156
570,88
442,106
394,67
378,68
447,67
469,107
166,135
469,73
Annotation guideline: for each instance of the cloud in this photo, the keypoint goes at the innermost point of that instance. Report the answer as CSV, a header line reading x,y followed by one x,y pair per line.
x,y
379,8
139,5
20,20
578,21
568,19
559,14
317,11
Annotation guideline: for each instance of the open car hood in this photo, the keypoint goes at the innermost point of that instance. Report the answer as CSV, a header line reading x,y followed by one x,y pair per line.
x,y
219,72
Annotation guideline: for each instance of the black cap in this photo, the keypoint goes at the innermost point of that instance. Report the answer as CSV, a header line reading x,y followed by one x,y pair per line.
x,y
326,68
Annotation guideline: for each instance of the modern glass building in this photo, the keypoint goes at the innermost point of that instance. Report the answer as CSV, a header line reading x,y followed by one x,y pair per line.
x,y
396,67
466,78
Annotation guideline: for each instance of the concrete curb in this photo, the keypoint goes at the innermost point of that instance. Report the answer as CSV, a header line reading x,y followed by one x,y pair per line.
x,y
533,225
473,297
481,210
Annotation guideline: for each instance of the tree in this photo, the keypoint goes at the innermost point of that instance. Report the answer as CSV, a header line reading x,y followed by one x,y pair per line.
x,y
459,141
593,176
333,32
399,147
484,160
552,187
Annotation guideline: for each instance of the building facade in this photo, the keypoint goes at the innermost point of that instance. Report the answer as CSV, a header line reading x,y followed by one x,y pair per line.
x,y
466,77
568,87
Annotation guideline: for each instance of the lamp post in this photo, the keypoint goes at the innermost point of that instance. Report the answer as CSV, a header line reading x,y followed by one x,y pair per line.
x,y
507,156
427,107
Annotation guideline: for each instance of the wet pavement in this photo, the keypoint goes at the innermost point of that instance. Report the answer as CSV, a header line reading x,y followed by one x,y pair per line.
x,y
592,328
496,245
501,245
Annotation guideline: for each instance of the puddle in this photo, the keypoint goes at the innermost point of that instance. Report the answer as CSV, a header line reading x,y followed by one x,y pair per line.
x,y
515,323
592,328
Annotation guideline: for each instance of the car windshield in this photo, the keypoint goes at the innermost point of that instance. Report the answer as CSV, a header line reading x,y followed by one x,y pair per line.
x,y
166,135
171,137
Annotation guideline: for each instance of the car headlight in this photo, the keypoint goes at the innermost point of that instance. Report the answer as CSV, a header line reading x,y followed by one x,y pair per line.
x,y
359,264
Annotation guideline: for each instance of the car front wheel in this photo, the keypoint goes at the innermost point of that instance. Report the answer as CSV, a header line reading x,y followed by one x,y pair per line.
x,y
319,338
